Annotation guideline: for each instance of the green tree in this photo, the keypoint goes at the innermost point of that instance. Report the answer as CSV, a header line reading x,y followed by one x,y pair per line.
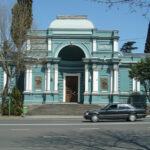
x,y
12,58
16,103
128,47
147,44
141,72
21,23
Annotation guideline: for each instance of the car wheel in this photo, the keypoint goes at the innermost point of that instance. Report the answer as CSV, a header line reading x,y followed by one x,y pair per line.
x,y
94,118
132,117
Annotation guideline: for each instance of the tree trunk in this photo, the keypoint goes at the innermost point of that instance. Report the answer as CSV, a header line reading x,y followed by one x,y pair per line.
x,y
5,94
149,92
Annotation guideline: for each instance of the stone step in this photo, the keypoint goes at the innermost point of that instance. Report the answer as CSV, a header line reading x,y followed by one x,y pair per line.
x,y
60,109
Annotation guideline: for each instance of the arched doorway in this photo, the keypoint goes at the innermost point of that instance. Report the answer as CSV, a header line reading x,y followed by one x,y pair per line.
x,y
71,68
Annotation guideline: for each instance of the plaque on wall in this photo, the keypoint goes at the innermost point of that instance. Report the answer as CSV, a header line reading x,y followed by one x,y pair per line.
x,y
104,84
38,82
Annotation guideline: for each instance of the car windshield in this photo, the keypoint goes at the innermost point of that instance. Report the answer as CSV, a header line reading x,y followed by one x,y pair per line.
x,y
106,107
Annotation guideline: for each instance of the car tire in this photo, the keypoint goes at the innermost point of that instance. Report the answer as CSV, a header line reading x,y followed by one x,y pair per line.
x,y
94,118
132,117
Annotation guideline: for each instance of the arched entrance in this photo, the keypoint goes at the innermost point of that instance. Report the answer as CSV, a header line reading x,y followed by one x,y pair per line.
x,y
71,68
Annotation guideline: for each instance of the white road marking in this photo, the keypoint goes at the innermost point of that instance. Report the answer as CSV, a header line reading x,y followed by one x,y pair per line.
x,y
19,129
54,136
80,124
89,128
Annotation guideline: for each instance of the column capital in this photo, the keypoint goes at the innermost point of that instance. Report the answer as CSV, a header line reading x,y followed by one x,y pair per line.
x,y
115,67
94,67
28,67
86,67
47,66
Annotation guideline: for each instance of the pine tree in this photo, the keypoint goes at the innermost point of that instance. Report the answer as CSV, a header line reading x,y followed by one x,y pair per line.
x,y
21,23
147,44
128,47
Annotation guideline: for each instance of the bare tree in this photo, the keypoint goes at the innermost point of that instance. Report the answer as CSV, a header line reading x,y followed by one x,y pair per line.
x,y
134,5
13,57
10,56
7,51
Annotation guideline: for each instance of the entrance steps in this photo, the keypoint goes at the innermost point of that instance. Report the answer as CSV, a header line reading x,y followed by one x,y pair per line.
x,y
60,109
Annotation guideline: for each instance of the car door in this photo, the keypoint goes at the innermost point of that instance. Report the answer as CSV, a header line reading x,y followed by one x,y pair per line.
x,y
111,112
123,111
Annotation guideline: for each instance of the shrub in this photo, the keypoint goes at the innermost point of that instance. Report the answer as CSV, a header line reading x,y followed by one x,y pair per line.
x,y
16,103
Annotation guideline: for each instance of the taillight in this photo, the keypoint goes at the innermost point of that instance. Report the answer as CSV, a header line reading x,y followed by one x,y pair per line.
x,y
145,112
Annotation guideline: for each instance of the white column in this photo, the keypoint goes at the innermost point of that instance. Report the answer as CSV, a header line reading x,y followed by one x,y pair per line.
x,y
86,78
28,78
4,79
95,79
138,86
133,85
115,79
115,45
94,45
49,44
28,45
56,78
47,79
111,81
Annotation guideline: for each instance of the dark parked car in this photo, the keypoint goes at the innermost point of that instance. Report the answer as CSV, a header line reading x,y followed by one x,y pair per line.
x,y
115,111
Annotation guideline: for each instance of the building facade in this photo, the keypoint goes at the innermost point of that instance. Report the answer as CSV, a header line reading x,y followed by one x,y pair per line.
x,y
81,65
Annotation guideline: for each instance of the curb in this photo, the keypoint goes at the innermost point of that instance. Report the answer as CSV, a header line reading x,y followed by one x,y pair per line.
x,y
44,117
53,117
40,117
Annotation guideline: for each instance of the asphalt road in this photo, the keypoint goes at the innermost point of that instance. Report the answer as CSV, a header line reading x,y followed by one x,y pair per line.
x,y
73,134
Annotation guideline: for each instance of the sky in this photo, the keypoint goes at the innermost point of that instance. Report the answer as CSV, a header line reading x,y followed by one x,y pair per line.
x,y
131,26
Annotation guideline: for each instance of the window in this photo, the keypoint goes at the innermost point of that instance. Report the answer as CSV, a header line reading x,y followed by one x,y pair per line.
x,y
104,84
112,107
124,107
38,82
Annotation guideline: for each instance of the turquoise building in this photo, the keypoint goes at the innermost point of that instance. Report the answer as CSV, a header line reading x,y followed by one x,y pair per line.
x,y
81,64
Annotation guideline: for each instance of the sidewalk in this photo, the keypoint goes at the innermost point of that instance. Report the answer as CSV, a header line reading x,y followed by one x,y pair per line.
x,y
41,117
45,117
53,117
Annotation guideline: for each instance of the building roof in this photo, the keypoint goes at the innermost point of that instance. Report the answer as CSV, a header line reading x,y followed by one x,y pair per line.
x,y
71,22
136,54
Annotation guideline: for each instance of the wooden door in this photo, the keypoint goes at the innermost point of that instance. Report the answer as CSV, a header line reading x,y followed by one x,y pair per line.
x,y
71,89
